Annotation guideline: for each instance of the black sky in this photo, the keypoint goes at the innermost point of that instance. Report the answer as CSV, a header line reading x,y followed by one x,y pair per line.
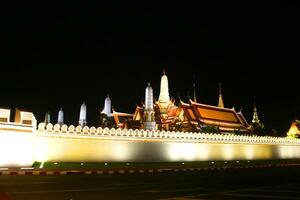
x,y
59,55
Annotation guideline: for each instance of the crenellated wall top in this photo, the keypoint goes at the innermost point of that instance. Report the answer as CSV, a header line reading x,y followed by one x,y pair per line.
x,y
156,134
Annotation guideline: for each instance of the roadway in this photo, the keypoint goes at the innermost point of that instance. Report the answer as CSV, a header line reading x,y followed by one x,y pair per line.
x,y
263,183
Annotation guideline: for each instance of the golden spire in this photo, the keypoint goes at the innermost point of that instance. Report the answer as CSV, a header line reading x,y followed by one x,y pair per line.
x,y
221,103
194,90
164,89
255,115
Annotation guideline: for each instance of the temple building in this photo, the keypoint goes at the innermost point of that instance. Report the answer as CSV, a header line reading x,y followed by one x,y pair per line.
x,y
201,115
4,115
190,116
111,118
21,117
164,102
47,118
107,106
149,118
255,119
256,125
164,108
82,115
60,118
294,130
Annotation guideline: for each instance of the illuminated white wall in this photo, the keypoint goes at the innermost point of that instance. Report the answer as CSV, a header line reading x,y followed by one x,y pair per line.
x,y
16,148
21,147
118,145
113,150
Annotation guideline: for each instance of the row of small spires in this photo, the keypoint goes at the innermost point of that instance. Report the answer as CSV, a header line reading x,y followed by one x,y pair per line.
x,y
107,110
82,114
107,104
60,118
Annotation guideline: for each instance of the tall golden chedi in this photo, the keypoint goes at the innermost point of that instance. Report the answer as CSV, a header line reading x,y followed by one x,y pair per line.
x,y
164,107
164,99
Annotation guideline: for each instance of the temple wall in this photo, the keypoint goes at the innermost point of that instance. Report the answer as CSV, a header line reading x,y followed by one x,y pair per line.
x,y
16,145
76,144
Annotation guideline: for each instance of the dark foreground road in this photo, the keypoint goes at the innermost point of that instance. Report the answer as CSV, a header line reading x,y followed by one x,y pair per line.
x,y
266,183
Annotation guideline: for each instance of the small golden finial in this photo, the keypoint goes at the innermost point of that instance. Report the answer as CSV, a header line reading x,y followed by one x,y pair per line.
x,y
221,102
194,90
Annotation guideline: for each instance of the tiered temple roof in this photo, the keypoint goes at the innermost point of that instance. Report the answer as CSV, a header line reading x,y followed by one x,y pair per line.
x,y
226,119
185,116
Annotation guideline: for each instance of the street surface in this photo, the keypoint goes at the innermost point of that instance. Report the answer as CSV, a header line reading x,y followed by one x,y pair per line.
x,y
263,183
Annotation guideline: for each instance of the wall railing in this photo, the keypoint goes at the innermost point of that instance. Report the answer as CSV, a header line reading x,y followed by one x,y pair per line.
x,y
162,135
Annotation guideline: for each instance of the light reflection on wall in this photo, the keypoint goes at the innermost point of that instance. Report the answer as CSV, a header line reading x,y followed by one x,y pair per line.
x,y
23,148
288,151
228,152
203,151
249,152
42,154
182,152
120,151
16,149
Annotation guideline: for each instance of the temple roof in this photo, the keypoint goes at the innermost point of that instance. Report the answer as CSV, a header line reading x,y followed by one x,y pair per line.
x,y
243,119
122,114
120,118
294,128
138,113
225,118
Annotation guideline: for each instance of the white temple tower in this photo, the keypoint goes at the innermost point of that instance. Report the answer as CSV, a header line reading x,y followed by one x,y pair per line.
x,y
255,119
107,107
82,116
164,98
60,119
47,118
164,89
149,118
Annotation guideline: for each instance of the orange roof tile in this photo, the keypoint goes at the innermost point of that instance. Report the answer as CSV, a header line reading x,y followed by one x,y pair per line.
x,y
226,119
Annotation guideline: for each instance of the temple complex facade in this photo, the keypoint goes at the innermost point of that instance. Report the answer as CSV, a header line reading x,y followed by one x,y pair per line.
x,y
183,116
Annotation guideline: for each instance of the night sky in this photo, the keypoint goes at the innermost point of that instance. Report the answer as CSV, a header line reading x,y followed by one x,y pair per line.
x,y
60,55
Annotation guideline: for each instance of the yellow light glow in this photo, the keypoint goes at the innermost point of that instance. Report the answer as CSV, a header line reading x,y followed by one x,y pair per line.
x,y
16,149
41,146
228,151
20,147
121,152
249,152
181,151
